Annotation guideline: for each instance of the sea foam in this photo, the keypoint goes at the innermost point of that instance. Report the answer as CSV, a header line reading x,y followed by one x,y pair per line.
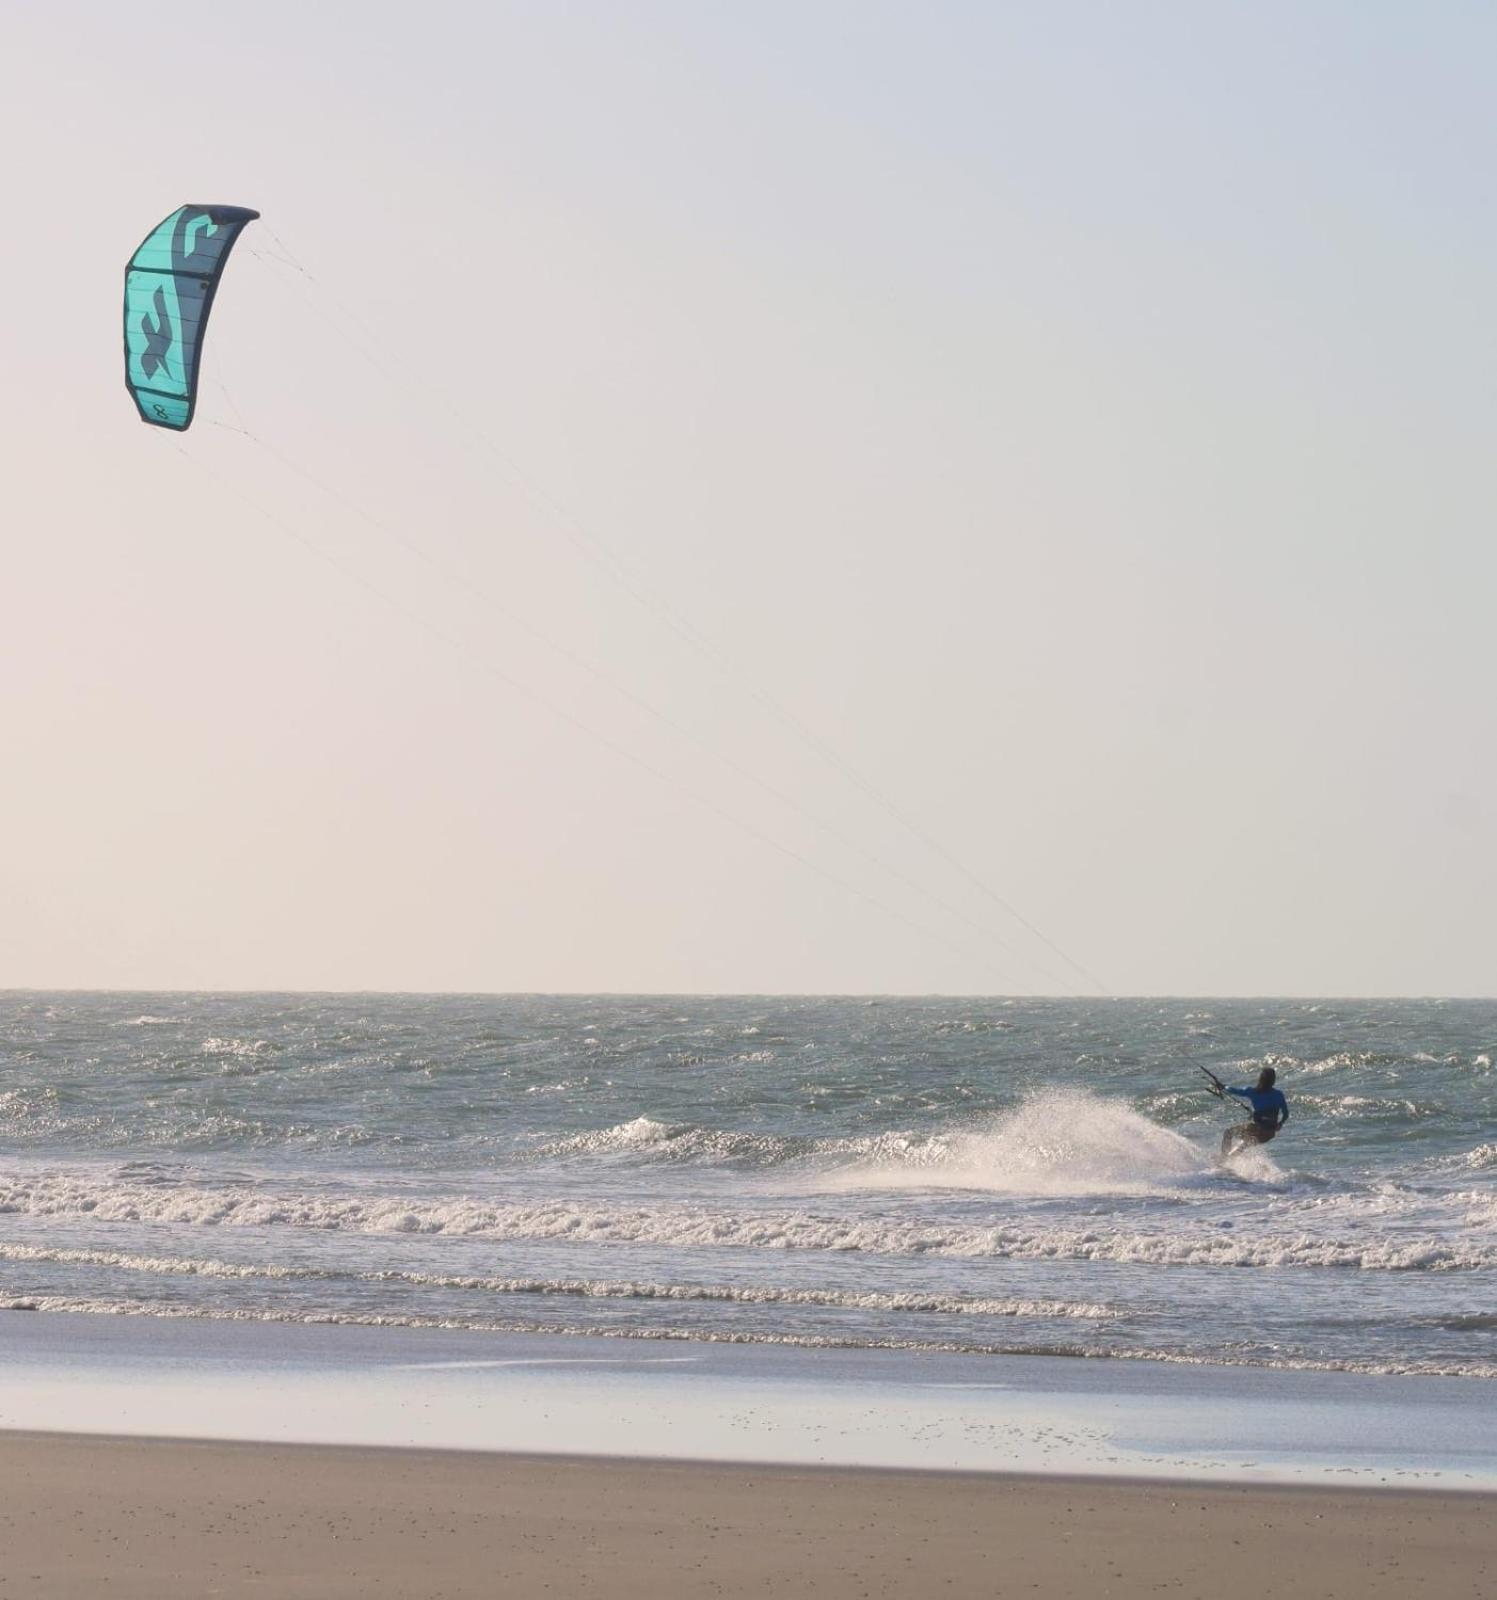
x,y
770,1228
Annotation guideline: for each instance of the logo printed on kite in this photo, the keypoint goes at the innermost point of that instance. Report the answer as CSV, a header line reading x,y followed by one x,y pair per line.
x,y
158,337
193,228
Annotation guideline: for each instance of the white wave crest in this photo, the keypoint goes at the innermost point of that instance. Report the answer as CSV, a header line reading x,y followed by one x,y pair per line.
x,y
1055,1143
134,1308
591,1223
583,1288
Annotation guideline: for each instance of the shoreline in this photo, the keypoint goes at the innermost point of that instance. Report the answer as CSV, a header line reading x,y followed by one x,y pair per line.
x,y
59,1306
526,1460
561,1396
154,1518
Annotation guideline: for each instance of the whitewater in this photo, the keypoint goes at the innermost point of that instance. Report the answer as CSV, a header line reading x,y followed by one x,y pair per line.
x,y
1035,1176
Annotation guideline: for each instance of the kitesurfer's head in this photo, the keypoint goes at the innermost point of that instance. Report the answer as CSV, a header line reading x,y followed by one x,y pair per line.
x,y
1266,1078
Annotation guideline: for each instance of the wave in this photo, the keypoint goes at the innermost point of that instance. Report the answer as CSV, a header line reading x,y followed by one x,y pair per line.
x,y
580,1288
645,1139
648,1139
99,1306
46,1116
1055,1143
1464,1321
1367,1109
561,1221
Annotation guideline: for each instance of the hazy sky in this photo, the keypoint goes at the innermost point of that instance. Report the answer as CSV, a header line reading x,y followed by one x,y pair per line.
x,y
1079,417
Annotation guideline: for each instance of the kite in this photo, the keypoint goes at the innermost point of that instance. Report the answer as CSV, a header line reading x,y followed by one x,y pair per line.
x,y
169,287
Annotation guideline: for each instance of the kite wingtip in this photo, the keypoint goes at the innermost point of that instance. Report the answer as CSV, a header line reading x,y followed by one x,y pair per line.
x,y
227,214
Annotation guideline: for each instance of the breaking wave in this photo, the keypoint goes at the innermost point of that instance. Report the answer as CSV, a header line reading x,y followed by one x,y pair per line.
x,y
1057,1143
566,1221
580,1288
1417,1367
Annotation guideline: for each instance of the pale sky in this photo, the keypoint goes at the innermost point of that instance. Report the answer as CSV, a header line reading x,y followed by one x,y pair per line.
x,y
1079,417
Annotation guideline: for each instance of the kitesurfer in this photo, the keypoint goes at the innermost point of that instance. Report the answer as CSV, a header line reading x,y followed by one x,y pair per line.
x,y
1270,1113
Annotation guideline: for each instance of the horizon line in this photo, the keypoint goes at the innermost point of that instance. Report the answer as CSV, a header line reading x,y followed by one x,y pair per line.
x,y
738,994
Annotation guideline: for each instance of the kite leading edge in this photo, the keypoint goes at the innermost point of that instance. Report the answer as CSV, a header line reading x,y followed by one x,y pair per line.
x,y
170,282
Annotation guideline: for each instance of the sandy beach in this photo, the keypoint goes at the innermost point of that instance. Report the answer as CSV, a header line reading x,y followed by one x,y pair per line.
x,y
85,1516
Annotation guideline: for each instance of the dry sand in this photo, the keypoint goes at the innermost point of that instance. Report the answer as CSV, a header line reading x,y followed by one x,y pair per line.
x,y
158,1519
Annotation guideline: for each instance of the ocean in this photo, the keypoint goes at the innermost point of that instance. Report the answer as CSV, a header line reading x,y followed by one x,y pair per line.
x,y
984,1176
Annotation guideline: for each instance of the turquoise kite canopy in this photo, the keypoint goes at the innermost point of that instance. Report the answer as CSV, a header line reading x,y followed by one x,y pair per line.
x,y
169,287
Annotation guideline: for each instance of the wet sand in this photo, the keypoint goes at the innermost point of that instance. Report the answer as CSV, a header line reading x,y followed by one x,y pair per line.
x,y
549,1394
83,1516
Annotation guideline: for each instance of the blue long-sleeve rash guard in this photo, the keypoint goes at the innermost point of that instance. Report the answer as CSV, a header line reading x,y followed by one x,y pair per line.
x,y
1266,1103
